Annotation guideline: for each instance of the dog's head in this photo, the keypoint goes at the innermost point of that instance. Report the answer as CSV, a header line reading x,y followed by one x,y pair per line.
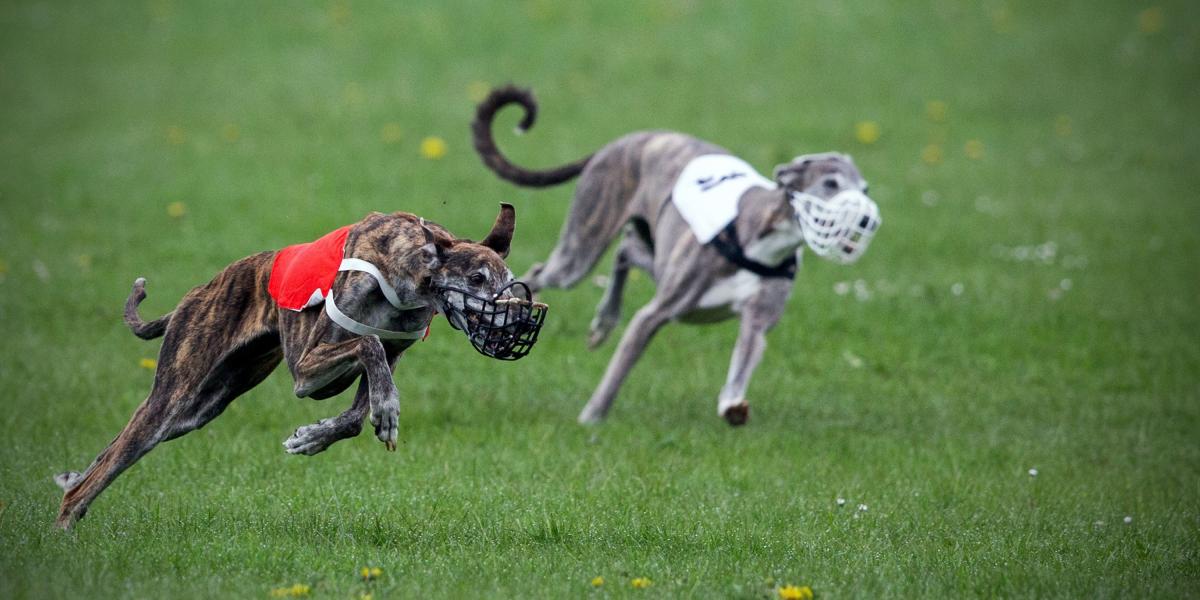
x,y
470,283
823,175
477,267
829,199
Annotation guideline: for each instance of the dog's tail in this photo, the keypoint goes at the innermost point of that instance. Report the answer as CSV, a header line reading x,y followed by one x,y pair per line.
x,y
140,328
485,145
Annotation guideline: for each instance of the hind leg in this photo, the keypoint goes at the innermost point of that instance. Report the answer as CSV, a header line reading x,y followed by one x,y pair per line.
x,y
175,407
633,252
138,438
599,209
160,418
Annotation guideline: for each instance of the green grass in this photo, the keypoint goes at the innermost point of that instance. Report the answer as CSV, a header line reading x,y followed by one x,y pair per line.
x,y
927,405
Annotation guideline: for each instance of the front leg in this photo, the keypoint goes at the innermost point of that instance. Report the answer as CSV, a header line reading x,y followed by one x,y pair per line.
x,y
759,315
327,362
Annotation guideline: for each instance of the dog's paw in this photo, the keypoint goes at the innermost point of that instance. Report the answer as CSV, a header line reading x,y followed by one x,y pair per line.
x,y
311,439
598,332
736,414
67,480
590,416
386,420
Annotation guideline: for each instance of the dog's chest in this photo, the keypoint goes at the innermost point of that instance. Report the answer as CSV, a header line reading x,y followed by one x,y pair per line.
x,y
730,292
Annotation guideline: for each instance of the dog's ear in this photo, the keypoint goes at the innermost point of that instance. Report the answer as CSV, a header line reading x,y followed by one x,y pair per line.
x,y
431,253
502,231
792,174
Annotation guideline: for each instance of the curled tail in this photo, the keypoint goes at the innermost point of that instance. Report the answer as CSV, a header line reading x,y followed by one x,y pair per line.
x,y
485,145
140,328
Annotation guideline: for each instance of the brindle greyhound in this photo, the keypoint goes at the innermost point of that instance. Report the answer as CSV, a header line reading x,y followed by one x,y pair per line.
x,y
226,336
625,189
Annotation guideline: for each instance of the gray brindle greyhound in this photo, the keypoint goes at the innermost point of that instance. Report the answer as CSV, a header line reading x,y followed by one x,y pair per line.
x,y
625,189
397,271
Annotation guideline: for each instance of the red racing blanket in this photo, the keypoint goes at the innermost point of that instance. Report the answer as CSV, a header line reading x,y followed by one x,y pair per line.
x,y
302,274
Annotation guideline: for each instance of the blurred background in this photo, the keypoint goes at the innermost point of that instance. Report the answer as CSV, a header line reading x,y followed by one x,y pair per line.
x,y
1029,302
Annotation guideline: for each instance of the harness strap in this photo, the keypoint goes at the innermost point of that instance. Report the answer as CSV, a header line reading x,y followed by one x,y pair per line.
x,y
345,322
728,245
357,264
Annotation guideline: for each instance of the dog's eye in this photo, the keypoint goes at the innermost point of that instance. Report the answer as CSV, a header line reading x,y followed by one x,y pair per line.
x,y
477,279
831,184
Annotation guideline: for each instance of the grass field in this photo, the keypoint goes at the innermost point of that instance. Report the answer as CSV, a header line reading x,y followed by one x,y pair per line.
x,y
1030,302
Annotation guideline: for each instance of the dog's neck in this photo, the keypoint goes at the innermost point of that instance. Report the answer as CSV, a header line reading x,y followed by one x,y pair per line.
x,y
771,231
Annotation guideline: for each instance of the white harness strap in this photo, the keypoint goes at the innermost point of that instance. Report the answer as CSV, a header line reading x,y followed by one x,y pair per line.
x,y
345,322
389,292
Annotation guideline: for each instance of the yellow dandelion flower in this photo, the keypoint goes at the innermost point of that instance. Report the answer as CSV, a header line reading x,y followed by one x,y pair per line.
x,y
369,573
230,133
175,135
1063,126
597,581
391,133
433,147
148,363
280,592
792,592
477,91
936,110
376,572
641,583
176,209
1151,20
867,132
973,149
931,154
299,590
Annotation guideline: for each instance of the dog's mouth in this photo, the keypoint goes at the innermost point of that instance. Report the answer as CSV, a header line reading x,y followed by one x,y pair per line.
x,y
504,327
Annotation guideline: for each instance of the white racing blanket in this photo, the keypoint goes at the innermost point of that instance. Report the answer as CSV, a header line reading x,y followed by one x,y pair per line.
x,y
708,190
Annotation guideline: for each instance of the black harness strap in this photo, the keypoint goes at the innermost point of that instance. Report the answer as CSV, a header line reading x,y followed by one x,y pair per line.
x,y
727,244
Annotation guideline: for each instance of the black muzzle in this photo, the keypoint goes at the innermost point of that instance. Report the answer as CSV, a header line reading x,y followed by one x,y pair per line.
x,y
504,327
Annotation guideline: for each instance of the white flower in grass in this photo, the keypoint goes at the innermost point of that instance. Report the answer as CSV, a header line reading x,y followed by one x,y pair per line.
x,y
862,508
1033,472
1128,520
841,501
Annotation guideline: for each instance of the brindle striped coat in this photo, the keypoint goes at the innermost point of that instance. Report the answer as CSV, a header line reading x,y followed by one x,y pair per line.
x,y
226,336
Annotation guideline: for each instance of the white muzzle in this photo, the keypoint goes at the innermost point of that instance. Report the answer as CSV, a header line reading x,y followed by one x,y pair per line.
x,y
840,228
